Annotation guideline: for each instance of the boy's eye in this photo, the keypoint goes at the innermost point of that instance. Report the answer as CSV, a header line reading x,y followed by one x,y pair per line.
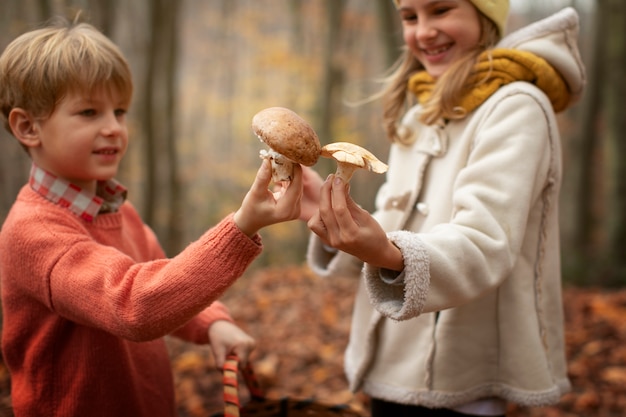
x,y
88,112
120,112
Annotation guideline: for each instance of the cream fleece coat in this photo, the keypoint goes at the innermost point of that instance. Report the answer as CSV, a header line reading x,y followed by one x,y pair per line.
x,y
473,206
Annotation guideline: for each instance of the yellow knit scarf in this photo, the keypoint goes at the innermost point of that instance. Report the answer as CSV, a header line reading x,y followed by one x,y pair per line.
x,y
496,68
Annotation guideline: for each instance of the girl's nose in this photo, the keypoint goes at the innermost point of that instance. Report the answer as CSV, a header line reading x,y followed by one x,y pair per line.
x,y
426,30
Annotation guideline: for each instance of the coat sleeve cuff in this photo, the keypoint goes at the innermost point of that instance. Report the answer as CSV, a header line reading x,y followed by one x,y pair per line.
x,y
401,300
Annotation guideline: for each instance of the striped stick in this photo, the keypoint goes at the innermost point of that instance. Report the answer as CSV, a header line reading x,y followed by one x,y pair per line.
x,y
231,394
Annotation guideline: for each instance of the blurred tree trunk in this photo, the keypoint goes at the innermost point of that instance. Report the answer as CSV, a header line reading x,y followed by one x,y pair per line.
x,y
162,192
295,12
14,162
390,31
614,34
101,13
601,217
228,78
588,193
332,75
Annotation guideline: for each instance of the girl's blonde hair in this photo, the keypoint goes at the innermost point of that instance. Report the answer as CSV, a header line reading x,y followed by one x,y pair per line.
x,y
40,67
396,98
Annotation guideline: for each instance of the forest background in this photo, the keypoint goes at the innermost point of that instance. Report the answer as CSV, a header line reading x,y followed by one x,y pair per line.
x,y
203,68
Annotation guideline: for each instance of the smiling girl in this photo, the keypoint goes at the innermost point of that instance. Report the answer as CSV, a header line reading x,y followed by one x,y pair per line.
x,y
459,308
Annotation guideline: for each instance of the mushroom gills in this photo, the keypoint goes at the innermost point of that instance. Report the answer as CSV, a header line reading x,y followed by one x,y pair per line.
x,y
282,167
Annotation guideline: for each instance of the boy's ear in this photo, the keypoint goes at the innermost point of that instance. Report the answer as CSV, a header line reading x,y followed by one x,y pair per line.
x,y
24,127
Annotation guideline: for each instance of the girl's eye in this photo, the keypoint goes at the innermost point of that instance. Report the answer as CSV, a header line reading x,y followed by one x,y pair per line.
x,y
441,10
88,112
408,17
120,112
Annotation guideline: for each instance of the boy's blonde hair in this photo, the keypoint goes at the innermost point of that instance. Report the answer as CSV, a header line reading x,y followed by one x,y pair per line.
x,y
442,103
40,67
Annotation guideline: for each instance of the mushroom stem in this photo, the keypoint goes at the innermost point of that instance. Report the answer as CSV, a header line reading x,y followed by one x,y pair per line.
x,y
282,167
345,171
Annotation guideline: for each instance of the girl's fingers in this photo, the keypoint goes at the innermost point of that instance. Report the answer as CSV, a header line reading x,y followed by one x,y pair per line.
x,y
338,198
317,226
326,209
343,209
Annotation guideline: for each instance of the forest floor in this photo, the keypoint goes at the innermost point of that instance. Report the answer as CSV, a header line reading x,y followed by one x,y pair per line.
x,y
301,325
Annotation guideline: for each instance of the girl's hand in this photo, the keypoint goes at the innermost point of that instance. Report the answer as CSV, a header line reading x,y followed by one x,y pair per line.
x,y
342,224
227,338
262,207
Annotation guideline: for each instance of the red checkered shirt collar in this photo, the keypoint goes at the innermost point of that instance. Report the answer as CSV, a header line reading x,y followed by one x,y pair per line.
x,y
110,195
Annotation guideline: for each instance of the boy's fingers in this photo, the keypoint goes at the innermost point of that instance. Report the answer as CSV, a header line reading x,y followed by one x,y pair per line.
x,y
297,175
219,356
264,175
243,353
292,192
295,185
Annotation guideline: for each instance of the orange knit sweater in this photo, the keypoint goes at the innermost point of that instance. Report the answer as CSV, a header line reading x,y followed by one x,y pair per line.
x,y
85,307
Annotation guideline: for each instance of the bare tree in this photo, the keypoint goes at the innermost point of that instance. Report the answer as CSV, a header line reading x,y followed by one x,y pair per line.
x,y
158,116
101,13
332,75
390,31
601,195
614,34
589,147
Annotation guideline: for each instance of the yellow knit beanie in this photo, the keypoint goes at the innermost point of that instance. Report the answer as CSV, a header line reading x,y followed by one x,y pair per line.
x,y
496,10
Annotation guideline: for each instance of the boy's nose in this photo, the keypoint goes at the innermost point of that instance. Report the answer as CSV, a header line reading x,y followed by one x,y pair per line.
x,y
112,126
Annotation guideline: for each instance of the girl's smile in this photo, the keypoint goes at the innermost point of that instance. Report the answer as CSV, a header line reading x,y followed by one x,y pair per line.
x,y
436,51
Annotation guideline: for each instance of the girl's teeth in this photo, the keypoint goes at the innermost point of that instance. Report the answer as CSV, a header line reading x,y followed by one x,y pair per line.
x,y
436,51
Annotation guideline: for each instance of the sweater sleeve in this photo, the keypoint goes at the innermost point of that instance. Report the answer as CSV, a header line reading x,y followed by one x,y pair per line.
x,y
103,276
197,329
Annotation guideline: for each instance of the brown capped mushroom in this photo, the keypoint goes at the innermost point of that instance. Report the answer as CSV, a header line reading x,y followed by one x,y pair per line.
x,y
350,157
290,138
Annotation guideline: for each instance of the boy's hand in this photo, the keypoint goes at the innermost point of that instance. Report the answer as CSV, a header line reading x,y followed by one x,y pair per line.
x,y
261,207
311,185
227,338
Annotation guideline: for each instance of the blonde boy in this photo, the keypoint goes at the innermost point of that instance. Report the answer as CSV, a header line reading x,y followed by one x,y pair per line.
x,y
87,293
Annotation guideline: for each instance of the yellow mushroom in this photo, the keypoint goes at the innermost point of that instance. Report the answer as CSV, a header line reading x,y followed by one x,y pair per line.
x,y
350,157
